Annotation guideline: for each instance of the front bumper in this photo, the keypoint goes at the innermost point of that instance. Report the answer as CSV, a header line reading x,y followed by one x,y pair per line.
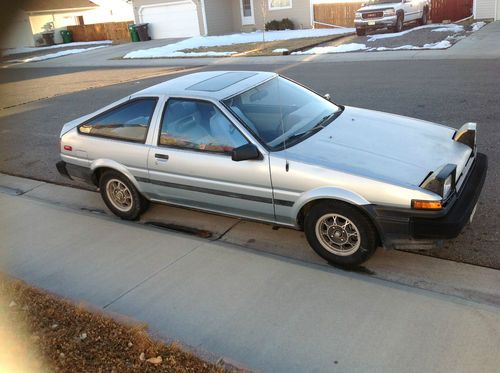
x,y
374,23
401,225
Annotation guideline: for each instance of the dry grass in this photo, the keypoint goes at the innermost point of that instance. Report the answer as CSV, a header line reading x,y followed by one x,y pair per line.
x,y
265,48
41,332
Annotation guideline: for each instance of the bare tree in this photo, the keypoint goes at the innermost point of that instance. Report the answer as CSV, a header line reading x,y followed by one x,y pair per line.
x,y
263,10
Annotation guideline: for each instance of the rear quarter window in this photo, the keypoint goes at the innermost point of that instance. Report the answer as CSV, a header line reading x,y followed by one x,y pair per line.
x,y
128,121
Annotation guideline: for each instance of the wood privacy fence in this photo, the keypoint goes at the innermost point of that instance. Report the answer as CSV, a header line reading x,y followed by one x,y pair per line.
x,y
342,14
338,14
453,10
116,31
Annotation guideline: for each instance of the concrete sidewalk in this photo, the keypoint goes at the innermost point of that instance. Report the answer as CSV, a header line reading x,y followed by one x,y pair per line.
x,y
268,312
483,44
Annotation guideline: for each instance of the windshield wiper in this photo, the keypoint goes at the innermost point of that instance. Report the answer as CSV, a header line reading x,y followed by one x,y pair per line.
x,y
326,120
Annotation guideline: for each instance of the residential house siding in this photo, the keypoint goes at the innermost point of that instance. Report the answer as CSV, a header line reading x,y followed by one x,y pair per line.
x,y
299,13
485,9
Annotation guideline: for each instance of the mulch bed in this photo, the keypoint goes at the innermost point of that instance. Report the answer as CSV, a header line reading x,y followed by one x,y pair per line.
x,y
41,332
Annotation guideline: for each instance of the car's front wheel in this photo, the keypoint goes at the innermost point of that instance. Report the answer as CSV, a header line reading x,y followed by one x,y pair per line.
x,y
120,195
398,27
340,233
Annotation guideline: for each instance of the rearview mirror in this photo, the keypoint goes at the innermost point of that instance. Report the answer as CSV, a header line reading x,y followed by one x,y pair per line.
x,y
245,152
328,97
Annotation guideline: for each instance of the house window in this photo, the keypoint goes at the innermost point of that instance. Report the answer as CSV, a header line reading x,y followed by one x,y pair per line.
x,y
247,8
280,4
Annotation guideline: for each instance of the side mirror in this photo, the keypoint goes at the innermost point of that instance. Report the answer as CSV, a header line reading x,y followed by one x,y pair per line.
x,y
245,152
328,97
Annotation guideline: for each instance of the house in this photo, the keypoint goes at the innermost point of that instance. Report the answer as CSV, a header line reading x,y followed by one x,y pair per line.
x,y
33,18
185,18
486,9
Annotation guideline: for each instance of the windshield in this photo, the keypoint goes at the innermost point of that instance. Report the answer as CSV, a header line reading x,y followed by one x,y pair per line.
x,y
281,113
373,2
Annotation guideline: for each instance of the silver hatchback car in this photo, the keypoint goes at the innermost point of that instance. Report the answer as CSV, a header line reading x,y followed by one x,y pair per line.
x,y
257,145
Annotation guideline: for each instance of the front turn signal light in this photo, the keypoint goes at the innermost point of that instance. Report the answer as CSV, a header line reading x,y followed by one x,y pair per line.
x,y
426,205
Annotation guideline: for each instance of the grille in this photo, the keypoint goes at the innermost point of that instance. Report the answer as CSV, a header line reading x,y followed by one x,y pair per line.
x,y
373,15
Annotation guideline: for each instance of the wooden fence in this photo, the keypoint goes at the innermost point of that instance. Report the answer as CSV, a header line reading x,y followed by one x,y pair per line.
x,y
342,14
338,14
453,10
116,31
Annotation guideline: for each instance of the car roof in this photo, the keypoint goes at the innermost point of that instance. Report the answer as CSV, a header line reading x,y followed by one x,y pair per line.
x,y
209,84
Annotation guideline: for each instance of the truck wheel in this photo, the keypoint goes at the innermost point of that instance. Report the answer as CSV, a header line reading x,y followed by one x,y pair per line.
x,y
360,31
120,195
340,233
423,21
398,27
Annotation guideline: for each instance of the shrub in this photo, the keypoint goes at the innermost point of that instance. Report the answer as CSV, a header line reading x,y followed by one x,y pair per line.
x,y
272,25
286,24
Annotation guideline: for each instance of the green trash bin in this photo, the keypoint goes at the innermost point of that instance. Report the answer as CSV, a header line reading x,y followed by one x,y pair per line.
x,y
134,36
67,36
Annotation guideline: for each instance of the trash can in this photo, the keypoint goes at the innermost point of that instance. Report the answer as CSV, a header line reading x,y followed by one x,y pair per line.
x,y
48,38
67,36
142,30
133,33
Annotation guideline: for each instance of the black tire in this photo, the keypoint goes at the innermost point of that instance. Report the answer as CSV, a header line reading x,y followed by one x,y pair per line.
x,y
359,233
133,202
398,27
360,31
425,16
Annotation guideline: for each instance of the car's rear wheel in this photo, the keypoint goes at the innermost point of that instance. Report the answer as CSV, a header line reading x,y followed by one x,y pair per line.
x,y
423,21
340,233
360,31
121,196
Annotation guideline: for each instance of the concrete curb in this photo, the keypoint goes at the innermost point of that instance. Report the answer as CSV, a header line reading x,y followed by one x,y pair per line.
x,y
465,281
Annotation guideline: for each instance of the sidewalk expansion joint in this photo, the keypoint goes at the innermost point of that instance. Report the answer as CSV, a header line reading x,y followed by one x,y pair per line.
x,y
150,277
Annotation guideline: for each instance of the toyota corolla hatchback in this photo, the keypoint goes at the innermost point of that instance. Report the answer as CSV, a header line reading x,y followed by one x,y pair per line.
x,y
259,146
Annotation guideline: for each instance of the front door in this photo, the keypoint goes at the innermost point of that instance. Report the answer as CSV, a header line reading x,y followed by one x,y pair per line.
x,y
247,17
411,8
191,164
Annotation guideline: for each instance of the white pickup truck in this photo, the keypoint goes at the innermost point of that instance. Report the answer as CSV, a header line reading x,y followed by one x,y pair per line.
x,y
391,14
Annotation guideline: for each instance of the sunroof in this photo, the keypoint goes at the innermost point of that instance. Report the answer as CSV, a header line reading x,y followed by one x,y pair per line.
x,y
220,81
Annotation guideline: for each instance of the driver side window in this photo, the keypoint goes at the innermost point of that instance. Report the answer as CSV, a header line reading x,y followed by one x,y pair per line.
x,y
198,125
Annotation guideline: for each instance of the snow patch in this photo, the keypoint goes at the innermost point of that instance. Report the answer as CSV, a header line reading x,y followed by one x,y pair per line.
x,y
443,44
60,54
450,28
280,50
437,27
12,51
350,47
478,25
170,50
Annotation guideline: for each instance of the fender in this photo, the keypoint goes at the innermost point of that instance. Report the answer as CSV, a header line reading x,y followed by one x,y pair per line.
x,y
108,163
327,193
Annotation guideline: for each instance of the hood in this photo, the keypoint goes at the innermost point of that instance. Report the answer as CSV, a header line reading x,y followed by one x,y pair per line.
x,y
378,7
382,146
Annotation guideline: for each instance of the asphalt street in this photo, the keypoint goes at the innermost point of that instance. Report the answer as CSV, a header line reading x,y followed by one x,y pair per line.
x,y
451,92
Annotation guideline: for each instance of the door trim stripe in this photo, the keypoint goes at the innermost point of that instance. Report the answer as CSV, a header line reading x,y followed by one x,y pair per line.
x,y
216,192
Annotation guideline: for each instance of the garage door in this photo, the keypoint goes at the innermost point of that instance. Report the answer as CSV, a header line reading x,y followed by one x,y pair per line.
x,y
176,20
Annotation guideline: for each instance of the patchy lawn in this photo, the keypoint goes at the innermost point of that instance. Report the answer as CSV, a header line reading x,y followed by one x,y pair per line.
x,y
243,41
268,48
42,333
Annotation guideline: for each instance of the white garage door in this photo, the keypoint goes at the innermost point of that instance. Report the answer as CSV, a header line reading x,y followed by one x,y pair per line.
x,y
175,20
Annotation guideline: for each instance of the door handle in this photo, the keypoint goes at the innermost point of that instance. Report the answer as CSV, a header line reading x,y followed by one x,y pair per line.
x,y
161,156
